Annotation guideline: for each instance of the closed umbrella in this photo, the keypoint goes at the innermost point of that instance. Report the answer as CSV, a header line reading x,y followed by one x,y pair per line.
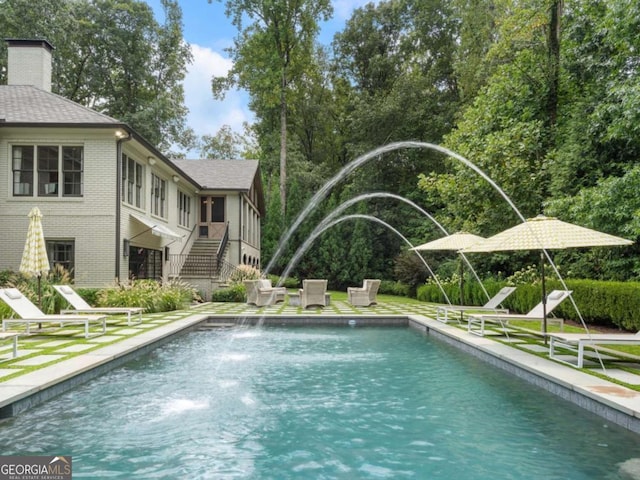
x,y
34,257
454,242
546,233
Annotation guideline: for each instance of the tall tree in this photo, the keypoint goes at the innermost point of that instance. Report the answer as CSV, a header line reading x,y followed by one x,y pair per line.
x,y
270,53
112,56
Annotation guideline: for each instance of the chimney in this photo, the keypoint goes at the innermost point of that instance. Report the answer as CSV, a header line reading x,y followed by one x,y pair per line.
x,y
29,63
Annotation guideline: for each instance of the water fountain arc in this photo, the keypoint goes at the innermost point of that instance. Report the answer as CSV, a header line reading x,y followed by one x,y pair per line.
x,y
323,226
366,196
347,169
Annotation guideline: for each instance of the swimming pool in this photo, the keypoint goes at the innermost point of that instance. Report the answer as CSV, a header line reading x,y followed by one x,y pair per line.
x,y
305,402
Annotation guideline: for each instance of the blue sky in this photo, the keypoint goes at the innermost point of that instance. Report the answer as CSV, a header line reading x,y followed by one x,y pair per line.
x,y
209,31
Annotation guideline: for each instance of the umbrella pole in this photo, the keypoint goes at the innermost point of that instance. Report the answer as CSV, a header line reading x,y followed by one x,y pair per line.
x,y
544,299
40,297
461,282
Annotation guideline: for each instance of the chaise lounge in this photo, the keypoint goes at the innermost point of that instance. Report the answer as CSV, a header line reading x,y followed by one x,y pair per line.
x,y
81,306
493,305
29,314
364,296
535,314
581,340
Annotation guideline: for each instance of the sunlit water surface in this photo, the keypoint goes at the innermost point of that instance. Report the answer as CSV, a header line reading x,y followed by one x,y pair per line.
x,y
317,403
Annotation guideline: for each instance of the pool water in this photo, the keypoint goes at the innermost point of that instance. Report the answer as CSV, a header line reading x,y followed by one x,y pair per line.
x,y
317,403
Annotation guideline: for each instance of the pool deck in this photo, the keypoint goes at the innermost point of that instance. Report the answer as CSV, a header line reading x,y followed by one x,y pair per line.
x,y
48,372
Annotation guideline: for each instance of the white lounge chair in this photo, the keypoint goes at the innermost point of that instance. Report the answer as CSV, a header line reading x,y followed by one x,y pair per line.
x,y
29,314
261,293
493,305
81,306
535,314
14,338
364,296
581,340
314,293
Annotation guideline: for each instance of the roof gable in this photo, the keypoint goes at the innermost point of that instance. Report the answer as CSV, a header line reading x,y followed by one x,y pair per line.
x,y
221,174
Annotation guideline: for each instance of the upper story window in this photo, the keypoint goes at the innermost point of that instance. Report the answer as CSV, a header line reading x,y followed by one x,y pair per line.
x,y
47,170
158,196
131,181
184,209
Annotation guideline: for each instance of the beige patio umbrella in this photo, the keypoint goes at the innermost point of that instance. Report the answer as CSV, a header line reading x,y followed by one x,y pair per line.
x,y
34,257
454,242
545,233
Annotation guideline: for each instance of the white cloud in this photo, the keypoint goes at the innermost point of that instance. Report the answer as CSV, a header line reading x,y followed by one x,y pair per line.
x,y
207,115
342,9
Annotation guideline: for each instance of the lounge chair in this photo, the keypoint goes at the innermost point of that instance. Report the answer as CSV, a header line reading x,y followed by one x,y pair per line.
x,y
535,314
364,296
580,340
29,314
81,306
493,305
261,293
14,338
314,293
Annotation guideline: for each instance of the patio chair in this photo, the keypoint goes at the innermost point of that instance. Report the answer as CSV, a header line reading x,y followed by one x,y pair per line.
x,y
535,314
29,314
581,340
493,305
314,293
261,293
14,340
364,296
81,306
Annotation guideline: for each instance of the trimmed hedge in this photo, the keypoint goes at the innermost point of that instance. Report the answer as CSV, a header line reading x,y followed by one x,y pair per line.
x,y
601,303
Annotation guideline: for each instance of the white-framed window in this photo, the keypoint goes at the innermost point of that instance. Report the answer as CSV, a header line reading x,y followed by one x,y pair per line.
x,y
184,209
132,176
158,196
47,170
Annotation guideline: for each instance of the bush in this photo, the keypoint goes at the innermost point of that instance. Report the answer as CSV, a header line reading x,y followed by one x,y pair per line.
x,y
153,296
235,293
394,288
242,273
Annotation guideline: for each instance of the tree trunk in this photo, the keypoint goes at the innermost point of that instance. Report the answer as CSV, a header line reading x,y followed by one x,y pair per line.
x,y
283,147
553,45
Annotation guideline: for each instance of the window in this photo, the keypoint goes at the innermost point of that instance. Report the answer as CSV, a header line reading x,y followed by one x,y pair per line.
x,y
158,195
145,263
22,159
184,209
57,170
61,252
132,174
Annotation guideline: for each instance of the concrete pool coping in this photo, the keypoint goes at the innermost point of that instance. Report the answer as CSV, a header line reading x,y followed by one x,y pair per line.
x,y
615,403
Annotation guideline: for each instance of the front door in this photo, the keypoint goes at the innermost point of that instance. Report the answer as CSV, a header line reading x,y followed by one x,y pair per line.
x,y
212,217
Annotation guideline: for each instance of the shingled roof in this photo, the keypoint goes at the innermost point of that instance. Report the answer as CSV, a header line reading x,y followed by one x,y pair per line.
x,y
221,174
23,104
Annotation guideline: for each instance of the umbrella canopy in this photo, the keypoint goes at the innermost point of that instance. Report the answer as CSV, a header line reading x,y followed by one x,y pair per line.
x,y
34,257
545,233
456,241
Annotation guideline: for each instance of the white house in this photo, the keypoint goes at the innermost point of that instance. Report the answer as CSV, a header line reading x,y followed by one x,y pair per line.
x,y
113,206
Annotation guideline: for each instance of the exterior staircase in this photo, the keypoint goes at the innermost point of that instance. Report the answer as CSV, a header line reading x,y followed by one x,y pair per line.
x,y
201,259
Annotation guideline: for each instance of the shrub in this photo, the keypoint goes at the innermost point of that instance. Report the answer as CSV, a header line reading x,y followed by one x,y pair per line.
x,y
153,296
242,273
235,293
